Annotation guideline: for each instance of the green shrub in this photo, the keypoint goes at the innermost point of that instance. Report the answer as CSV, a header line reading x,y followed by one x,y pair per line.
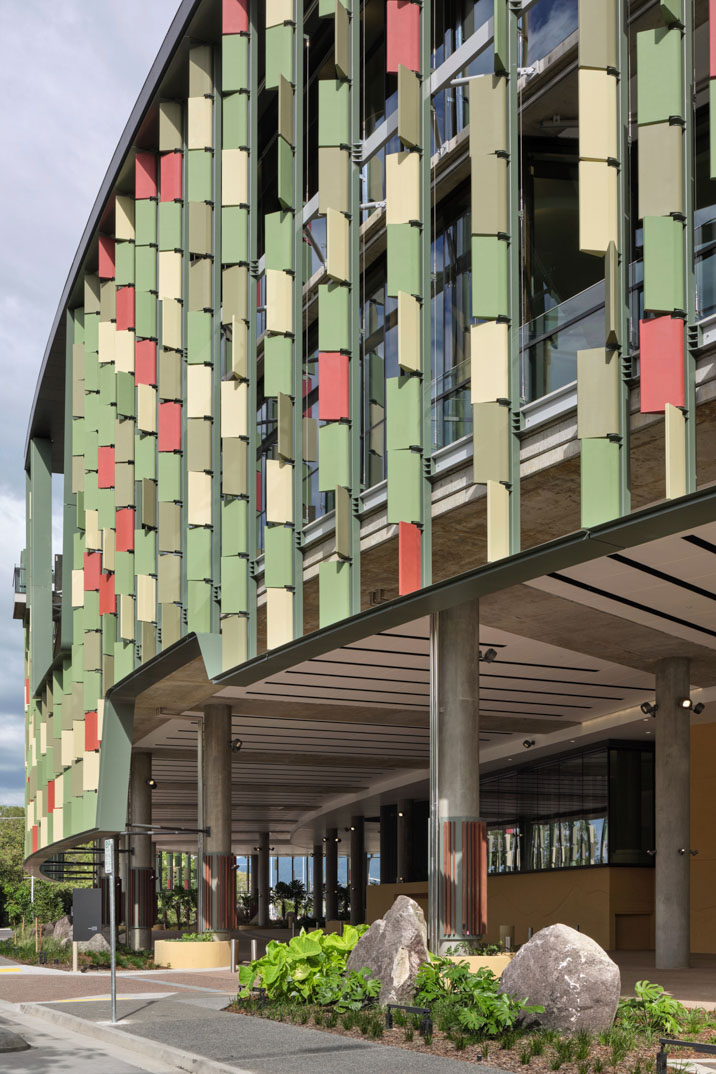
x,y
652,1008
195,937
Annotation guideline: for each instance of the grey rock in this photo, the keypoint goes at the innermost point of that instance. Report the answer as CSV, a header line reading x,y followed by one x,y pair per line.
x,y
393,950
99,942
569,975
62,930
48,929
12,1042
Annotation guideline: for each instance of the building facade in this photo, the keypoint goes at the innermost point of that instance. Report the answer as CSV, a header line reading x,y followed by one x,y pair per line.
x,y
383,385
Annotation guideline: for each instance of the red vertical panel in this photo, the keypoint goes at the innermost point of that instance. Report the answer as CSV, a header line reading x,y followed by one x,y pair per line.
x,y
93,569
402,35
91,737
50,795
235,17
145,361
662,363
145,175
333,386
125,308
170,174
409,542
125,530
107,599
34,838
169,427
105,262
105,468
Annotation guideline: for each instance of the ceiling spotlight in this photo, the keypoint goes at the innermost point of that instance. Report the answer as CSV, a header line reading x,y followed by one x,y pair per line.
x,y
400,813
488,656
698,709
235,745
151,783
337,840
648,708
686,703
528,743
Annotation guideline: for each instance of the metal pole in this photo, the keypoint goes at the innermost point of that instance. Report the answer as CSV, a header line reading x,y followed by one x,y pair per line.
x,y
109,870
200,825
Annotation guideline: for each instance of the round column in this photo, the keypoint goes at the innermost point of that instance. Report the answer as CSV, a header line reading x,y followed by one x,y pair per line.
x,y
264,880
331,845
318,881
219,862
142,895
357,871
405,840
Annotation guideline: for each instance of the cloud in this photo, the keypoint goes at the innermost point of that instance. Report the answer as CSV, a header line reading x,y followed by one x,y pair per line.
x,y
72,72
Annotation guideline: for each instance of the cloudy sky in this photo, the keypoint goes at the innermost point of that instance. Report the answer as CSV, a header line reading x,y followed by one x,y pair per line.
x,y
70,75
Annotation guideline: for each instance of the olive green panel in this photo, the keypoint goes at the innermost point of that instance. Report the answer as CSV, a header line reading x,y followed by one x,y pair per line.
x,y
91,442
146,222
341,51
234,527
598,33
170,213
600,481
409,125
107,300
278,559
124,263
148,640
333,456
501,35
145,550
491,457
488,107
285,110
170,375
278,363
285,427
200,228
125,395
171,624
235,121
172,311
198,553
234,585
661,169
123,660
598,396
91,295
200,284
376,379
106,416
146,268
91,371
234,62
199,167
145,457
334,592
404,486
106,508
489,195
92,413
279,54
107,387
234,456
169,579
333,179
198,444
124,441
198,337
310,440
404,260
199,607
201,81
145,305
344,522
92,651
613,299
489,277
333,113
234,234
170,126
285,174
659,75
124,485
92,331
169,476
334,319
169,530
279,240
234,293
404,412
663,264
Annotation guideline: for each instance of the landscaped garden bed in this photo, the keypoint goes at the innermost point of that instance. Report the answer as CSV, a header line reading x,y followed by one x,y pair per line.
x,y
57,956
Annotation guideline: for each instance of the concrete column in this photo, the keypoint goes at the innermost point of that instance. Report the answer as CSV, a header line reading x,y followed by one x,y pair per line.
x,y
405,840
219,871
331,874
357,871
318,881
264,880
454,752
141,873
254,881
672,790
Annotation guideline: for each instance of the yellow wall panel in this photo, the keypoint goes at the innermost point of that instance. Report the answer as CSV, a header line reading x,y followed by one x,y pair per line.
x,y
146,598
169,274
598,223
146,408
279,617
93,536
675,428
58,822
90,770
279,301
107,334
234,408
278,12
171,323
279,491
489,362
402,188
124,352
239,348
124,217
126,617
234,177
337,246
488,107
200,122
198,391
109,545
199,499
78,589
597,115
409,351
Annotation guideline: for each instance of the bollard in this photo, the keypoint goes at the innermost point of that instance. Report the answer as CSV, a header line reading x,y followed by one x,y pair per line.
x,y
530,932
75,956
254,950
234,956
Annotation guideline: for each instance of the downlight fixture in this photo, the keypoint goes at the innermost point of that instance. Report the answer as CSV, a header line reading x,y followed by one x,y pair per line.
x,y
151,783
686,703
648,708
528,743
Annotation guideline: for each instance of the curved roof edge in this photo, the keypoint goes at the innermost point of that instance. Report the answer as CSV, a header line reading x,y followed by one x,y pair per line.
x,y
43,423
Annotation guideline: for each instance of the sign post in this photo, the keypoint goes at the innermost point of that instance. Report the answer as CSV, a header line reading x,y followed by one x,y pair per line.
x,y
109,870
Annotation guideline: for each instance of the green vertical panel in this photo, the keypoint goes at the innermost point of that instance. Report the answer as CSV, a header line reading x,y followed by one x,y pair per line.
x,y
39,596
404,484
170,225
168,476
106,422
234,585
234,235
597,34
235,121
145,551
285,174
124,573
199,169
146,268
334,592
333,456
91,332
663,264
404,259
234,529
198,337
234,62
123,659
105,506
279,55
145,457
145,315
333,112
145,222
501,44
376,379
659,75
91,371
489,277
333,317
125,395
600,481
169,528
199,607
278,570
279,240
124,263
278,365
404,413
198,553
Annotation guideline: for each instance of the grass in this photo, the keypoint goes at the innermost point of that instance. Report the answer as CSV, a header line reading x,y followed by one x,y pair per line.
x,y
56,955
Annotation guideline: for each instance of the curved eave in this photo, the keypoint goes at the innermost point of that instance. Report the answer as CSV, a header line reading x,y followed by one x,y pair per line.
x,y
47,416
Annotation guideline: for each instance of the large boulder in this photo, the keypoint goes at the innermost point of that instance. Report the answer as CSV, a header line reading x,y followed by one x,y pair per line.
x,y
393,950
48,929
99,942
569,975
63,931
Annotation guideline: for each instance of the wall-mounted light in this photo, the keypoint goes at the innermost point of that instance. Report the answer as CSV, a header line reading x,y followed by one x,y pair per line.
x,y
488,656
648,708
151,783
528,743
686,703
236,745
400,813
698,709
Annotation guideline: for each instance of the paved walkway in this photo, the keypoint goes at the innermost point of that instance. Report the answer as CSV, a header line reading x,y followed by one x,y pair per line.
x,y
695,987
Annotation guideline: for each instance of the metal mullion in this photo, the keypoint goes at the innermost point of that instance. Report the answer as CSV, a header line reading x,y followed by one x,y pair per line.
x,y
426,182
298,128
514,366
356,358
624,255
253,357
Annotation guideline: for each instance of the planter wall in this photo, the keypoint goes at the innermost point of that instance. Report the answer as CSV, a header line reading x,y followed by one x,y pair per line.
x,y
496,963
192,954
